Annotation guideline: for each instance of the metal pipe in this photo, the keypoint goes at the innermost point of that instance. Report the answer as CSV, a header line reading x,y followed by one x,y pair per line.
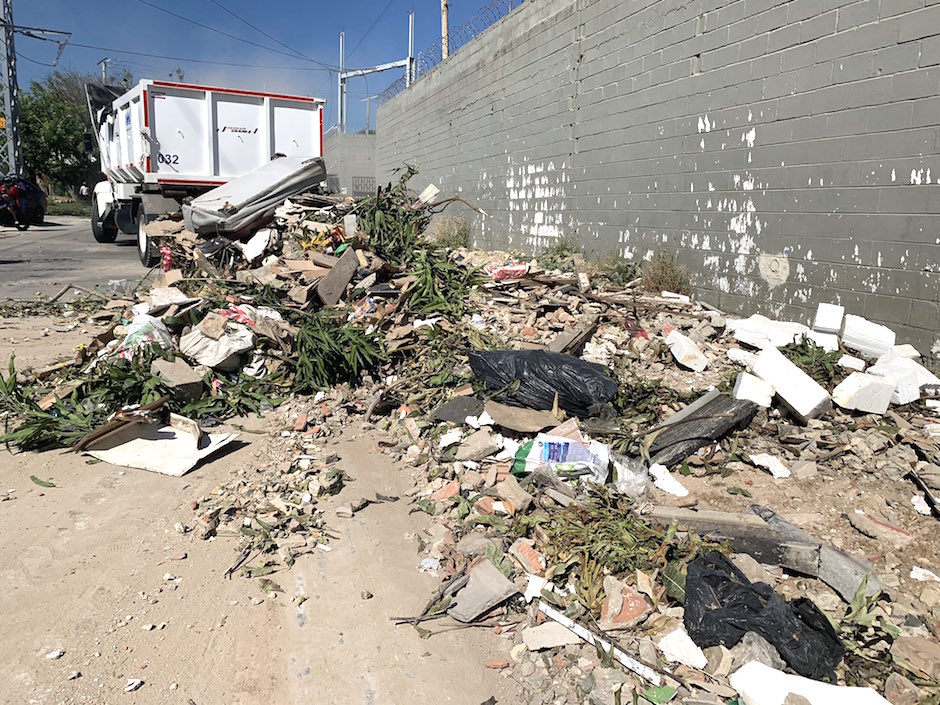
x,y
410,74
341,85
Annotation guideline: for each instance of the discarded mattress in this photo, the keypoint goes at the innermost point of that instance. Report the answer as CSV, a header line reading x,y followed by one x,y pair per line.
x,y
248,202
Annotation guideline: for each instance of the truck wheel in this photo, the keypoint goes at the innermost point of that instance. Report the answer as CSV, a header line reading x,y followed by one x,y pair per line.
x,y
145,250
103,230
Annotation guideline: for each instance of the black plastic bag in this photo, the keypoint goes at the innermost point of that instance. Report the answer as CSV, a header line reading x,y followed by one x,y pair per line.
x,y
580,385
722,605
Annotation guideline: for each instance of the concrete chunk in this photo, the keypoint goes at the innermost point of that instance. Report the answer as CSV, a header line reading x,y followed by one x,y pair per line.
x,y
829,318
797,390
866,337
332,287
486,588
864,392
181,379
548,636
753,389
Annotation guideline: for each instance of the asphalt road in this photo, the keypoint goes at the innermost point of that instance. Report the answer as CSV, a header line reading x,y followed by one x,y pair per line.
x,y
63,251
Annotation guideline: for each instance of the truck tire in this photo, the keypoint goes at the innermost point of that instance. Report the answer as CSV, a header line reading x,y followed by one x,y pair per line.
x,y
103,230
145,249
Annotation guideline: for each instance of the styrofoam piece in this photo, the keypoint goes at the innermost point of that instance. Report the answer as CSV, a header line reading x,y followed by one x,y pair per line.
x,y
754,389
742,357
827,341
799,392
907,375
677,646
667,482
758,684
864,392
907,350
829,318
852,363
761,332
773,464
686,352
866,337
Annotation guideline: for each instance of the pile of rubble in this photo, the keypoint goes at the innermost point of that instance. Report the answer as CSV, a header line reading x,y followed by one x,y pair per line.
x,y
625,485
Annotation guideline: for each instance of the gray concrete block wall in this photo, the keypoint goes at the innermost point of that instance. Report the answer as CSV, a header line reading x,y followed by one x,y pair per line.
x,y
350,162
788,151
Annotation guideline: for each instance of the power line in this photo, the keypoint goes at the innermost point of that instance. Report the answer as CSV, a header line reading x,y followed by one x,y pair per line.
x,y
261,31
197,61
368,30
33,61
218,31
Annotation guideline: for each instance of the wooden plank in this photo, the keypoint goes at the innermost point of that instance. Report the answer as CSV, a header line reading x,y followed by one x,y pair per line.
x,y
332,287
705,424
746,533
571,342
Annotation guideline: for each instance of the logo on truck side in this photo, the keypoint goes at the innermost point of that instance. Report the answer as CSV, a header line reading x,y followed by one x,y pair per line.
x,y
244,130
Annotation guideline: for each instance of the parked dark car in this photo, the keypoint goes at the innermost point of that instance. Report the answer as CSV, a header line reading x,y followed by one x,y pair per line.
x,y
32,200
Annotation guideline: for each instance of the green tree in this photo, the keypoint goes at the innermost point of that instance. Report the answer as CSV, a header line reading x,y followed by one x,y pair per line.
x,y
53,121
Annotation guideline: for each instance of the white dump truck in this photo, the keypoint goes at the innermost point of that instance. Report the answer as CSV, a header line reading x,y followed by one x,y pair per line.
x,y
161,142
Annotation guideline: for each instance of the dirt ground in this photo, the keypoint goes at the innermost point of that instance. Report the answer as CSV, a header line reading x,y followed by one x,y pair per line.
x,y
95,567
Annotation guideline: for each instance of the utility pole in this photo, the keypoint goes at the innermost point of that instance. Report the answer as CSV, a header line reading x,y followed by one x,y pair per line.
x,y
368,101
11,148
341,94
104,69
445,31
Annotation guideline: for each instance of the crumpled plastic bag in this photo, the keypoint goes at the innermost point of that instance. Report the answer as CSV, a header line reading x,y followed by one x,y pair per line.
x,y
581,386
144,331
722,605
223,354
563,459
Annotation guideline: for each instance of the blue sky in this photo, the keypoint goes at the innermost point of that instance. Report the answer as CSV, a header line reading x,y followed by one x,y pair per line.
x,y
310,28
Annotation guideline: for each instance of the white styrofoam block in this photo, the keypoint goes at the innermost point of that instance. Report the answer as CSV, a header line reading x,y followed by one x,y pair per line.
x,y
907,375
754,389
761,332
799,392
866,337
773,464
742,357
686,352
907,350
852,363
758,684
829,318
864,392
827,341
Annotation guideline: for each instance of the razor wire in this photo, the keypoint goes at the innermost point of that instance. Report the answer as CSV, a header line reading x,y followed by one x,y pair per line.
x,y
484,18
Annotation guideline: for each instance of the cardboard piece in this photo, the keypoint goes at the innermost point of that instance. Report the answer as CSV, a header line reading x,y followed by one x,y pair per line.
x,y
172,450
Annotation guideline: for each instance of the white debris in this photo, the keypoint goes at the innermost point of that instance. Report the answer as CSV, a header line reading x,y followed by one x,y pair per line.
x,y
868,338
864,392
133,684
677,646
799,392
907,350
907,375
827,341
672,296
829,318
55,655
742,357
773,464
754,389
665,481
852,363
534,587
920,505
548,636
923,575
686,352
761,332
450,438
758,684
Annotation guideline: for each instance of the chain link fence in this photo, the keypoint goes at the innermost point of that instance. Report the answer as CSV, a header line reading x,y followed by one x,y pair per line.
x,y
484,18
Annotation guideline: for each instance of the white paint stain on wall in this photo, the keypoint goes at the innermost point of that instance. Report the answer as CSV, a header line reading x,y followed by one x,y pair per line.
x,y
536,206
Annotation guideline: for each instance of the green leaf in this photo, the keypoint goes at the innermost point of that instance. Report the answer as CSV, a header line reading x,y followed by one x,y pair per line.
x,y
659,696
41,483
674,581
739,490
